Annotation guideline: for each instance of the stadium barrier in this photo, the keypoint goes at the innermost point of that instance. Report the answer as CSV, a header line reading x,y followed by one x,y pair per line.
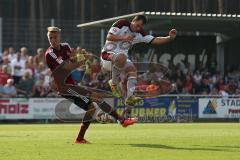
x,y
169,108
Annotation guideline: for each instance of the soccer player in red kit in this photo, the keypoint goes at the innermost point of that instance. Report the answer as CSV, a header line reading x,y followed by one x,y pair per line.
x,y
57,58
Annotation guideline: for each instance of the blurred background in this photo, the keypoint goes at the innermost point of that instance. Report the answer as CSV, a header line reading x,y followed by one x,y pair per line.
x,y
203,59
24,22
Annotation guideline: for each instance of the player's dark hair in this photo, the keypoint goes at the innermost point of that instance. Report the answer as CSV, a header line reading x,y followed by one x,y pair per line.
x,y
141,17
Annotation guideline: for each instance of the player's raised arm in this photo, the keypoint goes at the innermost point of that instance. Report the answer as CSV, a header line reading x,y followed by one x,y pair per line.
x,y
162,40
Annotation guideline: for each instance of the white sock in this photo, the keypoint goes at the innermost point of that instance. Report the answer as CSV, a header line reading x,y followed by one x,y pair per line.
x,y
131,85
116,74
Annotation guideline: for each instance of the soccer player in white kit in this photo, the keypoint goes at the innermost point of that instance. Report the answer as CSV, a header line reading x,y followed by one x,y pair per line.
x,y
121,37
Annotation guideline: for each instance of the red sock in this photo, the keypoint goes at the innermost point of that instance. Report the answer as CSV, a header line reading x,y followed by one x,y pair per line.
x,y
83,130
116,116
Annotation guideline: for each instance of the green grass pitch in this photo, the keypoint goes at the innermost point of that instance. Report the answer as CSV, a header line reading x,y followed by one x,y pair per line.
x,y
193,141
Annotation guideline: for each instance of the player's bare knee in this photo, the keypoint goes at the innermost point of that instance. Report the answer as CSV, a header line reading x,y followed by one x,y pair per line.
x,y
131,71
132,74
120,60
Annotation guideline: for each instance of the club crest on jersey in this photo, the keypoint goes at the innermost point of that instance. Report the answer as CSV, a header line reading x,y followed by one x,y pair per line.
x,y
115,29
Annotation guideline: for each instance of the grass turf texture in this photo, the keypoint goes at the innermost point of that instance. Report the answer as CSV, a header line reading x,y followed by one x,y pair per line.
x,y
220,141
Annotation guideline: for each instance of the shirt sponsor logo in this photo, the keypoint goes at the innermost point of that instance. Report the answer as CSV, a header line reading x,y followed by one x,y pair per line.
x,y
110,46
125,45
59,60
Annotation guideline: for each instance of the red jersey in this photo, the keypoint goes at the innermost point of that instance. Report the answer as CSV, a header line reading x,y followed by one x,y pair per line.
x,y
3,78
55,57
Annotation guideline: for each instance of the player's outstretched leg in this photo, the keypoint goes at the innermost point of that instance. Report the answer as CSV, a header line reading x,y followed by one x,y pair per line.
x,y
131,99
127,111
118,61
87,119
108,109
80,138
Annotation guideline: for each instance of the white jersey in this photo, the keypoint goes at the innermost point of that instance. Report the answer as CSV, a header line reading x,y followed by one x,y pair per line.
x,y
122,27
18,67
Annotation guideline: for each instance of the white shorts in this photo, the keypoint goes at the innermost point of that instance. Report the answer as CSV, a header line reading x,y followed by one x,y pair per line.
x,y
107,65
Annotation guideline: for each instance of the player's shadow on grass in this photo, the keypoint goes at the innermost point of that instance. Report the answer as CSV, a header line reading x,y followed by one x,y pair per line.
x,y
234,147
160,146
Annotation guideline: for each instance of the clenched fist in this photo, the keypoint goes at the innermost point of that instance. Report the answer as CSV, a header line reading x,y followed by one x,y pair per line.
x,y
173,33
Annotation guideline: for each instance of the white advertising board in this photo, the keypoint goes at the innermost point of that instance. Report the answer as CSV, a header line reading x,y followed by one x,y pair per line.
x,y
219,107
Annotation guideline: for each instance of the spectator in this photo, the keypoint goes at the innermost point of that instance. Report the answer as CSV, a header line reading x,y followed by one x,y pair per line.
x,y
5,62
2,94
25,85
4,76
29,66
9,89
40,55
179,85
197,77
188,69
24,53
96,67
214,91
41,69
152,88
11,54
47,77
188,84
221,85
224,92
232,86
40,89
141,84
204,88
18,66
5,53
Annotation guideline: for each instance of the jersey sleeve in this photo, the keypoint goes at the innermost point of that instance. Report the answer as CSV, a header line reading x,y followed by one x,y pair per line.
x,y
143,38
66,45
114,30
67,48
117,26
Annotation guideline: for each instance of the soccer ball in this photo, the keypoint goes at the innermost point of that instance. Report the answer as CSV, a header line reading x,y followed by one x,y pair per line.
x,y
103,117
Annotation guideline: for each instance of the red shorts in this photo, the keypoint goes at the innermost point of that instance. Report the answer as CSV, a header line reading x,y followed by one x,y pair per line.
x,y
106,56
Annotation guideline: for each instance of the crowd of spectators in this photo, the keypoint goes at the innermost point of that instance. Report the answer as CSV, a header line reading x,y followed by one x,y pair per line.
x,y
203,80
206,80
23,74
26,75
